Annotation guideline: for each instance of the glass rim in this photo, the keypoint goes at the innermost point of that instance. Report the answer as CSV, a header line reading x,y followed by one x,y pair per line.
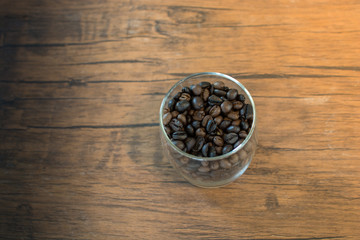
x,y
200,158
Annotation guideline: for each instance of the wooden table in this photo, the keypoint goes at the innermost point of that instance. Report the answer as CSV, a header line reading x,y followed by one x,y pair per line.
x,y
80,87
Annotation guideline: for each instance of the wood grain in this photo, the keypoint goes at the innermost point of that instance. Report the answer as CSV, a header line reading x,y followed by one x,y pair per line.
x,y
80,88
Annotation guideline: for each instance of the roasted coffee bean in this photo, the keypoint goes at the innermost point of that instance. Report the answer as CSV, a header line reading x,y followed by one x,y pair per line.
x,y
206,120
241,98
244,125
236,122
209,138
219,93
190,143
207,109
214,165
188,119
212,151
226,107
200,141
219,85
196,89
226,149
233,129
205,84
226,88
205,163
174,114
237,105
231,138
182,118
185,96
200,132
197,103
199,115
196,124
243,155
242,134
167,118
191,112
180,135
224,124
178,144
166,110
176,125
211,89
211,126
206,94
186,90
184,160
171,104
215,111
203,169
218,141
218,150
205,149
218,120
224,163
234,159
249,112
242,111
182,106
177,96
238,143
190,130
167,130
219,132
232,94
233,115
215,100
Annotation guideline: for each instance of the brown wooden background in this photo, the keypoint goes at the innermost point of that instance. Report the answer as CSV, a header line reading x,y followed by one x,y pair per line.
x,y
80,87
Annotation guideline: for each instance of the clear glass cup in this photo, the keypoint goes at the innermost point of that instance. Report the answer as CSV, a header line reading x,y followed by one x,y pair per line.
x,y
210,171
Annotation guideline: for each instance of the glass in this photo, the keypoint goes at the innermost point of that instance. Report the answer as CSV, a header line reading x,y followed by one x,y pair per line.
x,y
216,171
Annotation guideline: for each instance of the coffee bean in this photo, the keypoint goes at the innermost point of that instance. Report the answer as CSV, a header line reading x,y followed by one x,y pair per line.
x,y
215,111
211,126
207,109
190,143
206,120
237,105
219,93
209,138
199,144
178,144
206,94
197,103
218,120
203,169
205,163
226,107
219,85
231,138
182,118
244,125
184,160
190,130
226,88
211,89
226,149
166,110
215,100
243,155
241,98
176,125
182,106
180,135
167,130
205,149
200,132
196,89
218,150
242,111
249,112
224,163
233,115
212,151
171,104
177,96
185,97
218,141
242,134
219,132
232,94
234,159
236,122
238,143
205,84
199,115
186,90
224,124
191,112
174,114
196,124
188,119
233,129
214,165
167,118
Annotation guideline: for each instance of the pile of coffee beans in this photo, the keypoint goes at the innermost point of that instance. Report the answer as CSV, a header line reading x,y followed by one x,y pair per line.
x,y
207,119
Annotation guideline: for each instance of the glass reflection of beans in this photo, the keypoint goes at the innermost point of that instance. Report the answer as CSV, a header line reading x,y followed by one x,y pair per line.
x,y
208,128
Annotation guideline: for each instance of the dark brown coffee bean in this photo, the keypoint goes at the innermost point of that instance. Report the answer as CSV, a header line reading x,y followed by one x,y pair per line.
x,y
205,84
166,110
206,94
214,165
191,112
205,150
231,138
219,132
180,135
218,120
212,152
182,106
219,85
209,138
242,134
233,115
211,89
218,150
182,118
203,169
215,111
185,96
236,122
219,93
242,111
167,118
172,104
188,119
196,124
226,107
233,129
237,105
226,149
199,115
190,130
224,163
198,144
196,89
211,126
205,120
167,130
232,94
176,125
218,141
186,90
197,103
205,163
200,132
226,88
238,143
177,96
249,112
215,100
174,114
179,144
224,124
189,142
241,98
244,125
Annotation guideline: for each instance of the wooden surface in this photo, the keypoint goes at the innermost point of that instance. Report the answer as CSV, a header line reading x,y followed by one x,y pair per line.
x,y
80,87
